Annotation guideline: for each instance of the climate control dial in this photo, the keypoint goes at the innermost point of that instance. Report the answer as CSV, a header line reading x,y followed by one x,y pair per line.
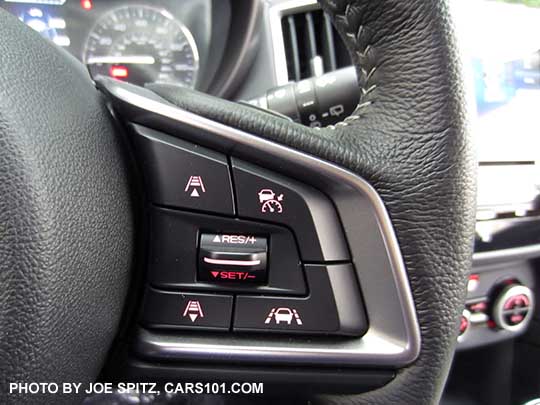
x,y
513,307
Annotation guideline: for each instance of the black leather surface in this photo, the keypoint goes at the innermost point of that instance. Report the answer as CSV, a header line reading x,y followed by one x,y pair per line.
x,y
65,218
408,139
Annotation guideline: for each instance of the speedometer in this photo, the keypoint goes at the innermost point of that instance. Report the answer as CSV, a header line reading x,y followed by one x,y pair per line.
x,y
142,44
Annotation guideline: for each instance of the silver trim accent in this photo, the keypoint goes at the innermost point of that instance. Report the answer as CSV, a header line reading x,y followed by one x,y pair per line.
x,y
506,255
316,66
276,12
479,317
535,401
393,338
137,59
227,262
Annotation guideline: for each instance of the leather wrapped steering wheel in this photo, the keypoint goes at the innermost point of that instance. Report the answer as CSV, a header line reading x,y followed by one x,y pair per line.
x,y
67,225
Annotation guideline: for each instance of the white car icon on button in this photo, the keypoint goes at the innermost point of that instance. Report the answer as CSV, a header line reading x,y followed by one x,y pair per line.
x,y
286,315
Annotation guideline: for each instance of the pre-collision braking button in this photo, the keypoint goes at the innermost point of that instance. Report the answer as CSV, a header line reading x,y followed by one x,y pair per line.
x,y
309,213
183,175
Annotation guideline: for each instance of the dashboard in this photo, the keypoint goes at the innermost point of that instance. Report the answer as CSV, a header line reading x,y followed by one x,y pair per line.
x,y
163,41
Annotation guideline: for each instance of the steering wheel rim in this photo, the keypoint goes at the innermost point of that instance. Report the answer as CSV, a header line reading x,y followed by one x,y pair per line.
x,y
66,230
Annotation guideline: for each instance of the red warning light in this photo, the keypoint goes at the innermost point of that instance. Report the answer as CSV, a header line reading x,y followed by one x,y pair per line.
x,y
87,4
118,72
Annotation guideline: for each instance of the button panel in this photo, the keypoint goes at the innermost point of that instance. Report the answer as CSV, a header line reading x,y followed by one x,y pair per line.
x,y
183,175
393,337
269,197
164,309
201,262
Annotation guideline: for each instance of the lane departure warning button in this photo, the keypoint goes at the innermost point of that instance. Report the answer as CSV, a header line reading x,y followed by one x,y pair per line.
x,y
232,258
166,309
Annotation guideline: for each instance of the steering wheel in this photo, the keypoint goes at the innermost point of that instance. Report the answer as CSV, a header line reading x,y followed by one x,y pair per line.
x,y
67,219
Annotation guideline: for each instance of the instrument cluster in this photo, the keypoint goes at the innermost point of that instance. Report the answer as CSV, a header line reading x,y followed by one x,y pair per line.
x,y
152,41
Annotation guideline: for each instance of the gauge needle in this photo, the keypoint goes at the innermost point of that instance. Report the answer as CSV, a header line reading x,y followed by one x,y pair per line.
x,y
136,59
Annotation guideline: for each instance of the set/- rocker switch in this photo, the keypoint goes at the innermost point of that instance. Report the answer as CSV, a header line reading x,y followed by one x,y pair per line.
x,y
232,258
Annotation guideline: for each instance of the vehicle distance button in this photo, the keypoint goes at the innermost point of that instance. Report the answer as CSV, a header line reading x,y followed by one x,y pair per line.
x,y
183,175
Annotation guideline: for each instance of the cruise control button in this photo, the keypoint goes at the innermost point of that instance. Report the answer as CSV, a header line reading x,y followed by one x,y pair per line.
x,y
232,258
309,213
174,259
183,175
164,309
334,306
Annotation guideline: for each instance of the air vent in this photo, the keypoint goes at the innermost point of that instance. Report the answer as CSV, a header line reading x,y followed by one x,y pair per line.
x,y
312,45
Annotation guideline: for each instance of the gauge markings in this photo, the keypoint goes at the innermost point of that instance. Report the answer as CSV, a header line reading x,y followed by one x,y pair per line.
x,y
140,60
145,44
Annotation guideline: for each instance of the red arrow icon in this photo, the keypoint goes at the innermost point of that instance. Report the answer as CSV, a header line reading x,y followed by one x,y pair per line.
x,y
215,273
